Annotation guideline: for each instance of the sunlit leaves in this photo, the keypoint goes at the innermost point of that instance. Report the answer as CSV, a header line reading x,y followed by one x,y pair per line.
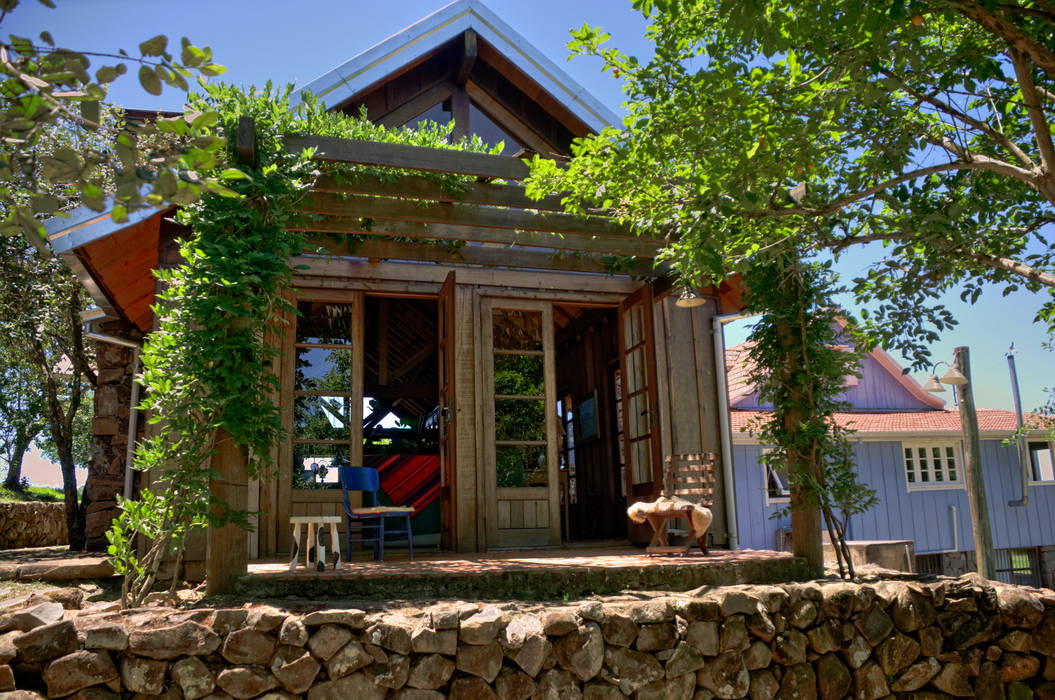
x,y
745,101
44,87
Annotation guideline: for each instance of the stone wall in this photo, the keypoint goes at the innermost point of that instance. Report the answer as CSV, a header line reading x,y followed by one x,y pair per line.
x,y
960,637
109,442
32,524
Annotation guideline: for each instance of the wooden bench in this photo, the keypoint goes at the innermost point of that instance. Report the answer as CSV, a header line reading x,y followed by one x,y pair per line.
x,y
690,478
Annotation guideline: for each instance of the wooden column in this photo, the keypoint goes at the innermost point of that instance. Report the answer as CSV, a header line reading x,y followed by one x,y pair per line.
x,y
227,548
983,533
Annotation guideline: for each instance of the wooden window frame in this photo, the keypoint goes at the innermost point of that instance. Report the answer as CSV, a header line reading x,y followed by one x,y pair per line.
x,y
1033,481
917,484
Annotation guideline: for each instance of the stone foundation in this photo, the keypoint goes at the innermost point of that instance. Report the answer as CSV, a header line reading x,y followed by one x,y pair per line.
x,y
962,638
32,524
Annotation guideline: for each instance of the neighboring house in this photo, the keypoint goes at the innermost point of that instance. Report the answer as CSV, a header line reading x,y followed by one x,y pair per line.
x,y
404,353
908,448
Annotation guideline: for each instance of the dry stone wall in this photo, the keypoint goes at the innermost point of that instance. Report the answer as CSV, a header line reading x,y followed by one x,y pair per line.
x,y
32,524
950,638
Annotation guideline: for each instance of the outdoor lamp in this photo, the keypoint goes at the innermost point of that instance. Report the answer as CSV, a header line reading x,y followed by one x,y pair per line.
x,y
953,378
688,298
933,385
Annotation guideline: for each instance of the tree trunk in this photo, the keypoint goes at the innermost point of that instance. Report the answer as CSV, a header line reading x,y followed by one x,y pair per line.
x,y
13,481
74,513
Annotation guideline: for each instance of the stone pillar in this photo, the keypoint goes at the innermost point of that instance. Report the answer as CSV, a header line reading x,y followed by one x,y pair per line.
x,y
109,441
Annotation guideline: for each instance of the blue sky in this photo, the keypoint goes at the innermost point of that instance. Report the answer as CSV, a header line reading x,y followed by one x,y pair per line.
x,y
295,42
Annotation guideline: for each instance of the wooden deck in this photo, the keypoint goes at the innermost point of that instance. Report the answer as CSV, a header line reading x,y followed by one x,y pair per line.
x,y
547,574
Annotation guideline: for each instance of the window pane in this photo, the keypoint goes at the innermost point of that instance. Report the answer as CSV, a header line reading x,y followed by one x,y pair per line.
x,y
1040,458
519,375
323,323
924,468
950,463
910,467
517,330
321,418
315,465
520,465
320,369
520,419
642,461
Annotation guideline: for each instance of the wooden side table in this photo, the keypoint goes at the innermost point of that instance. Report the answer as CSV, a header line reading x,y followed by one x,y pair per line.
x,y
313,540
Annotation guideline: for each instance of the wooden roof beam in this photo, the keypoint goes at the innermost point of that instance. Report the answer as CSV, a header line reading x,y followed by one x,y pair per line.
x,y
397,155
468,57
516,258
328,204
420,187
641,248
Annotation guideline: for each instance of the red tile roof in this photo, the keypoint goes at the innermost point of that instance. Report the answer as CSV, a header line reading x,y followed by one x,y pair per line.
x,y
990,420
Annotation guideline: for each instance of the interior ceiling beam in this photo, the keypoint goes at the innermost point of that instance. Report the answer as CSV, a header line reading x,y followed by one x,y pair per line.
x,y
405,390
362,206
642,248
486,256
413,361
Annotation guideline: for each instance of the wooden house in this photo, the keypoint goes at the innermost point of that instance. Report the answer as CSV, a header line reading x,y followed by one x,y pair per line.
x,y
908,447
515,390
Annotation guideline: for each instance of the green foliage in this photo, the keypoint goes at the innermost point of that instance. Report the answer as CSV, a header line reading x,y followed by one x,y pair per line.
x,y
920,125
800,355
44,494
207,368
43,86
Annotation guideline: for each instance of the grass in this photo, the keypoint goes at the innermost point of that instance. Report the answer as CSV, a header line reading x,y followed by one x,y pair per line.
x,y
32,493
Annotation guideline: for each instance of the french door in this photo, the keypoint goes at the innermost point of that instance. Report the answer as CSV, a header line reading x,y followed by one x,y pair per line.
x,y
519,411
447,446
640,442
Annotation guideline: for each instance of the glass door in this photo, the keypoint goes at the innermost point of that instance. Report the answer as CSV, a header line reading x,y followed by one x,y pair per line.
x,y
520,414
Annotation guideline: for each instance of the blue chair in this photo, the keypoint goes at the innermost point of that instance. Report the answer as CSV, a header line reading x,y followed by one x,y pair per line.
x,y
372,516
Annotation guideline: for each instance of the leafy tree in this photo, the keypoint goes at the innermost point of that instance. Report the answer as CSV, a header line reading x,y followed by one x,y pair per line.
x,y
22,415
41,331
799,362
45,86
923,125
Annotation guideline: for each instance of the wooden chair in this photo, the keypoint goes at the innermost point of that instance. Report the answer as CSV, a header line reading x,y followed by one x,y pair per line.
x,y
373,516
690,478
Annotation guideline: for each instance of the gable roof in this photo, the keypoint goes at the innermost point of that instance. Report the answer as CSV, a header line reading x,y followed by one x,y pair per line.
x,y
738,367
992,421
409,45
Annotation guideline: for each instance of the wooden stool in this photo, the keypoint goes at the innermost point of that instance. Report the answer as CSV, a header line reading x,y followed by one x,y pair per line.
x,y
313,540
659,521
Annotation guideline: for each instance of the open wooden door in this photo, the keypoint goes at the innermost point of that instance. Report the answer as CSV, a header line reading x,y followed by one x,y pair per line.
x,y
641,442
520,424
448,521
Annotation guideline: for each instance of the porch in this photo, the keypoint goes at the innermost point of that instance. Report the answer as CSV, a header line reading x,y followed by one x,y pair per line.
x,y
541,574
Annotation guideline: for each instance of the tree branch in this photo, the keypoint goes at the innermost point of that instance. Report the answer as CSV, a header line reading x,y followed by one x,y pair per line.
x,y
975,162
1006,30
1041,130
1014,267
947,108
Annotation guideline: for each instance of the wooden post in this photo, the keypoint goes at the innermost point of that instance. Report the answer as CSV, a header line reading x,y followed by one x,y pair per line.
x,y
227,548
983,534
245,142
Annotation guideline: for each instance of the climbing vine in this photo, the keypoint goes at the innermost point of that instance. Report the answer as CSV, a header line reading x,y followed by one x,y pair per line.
x,y
800,355
208,367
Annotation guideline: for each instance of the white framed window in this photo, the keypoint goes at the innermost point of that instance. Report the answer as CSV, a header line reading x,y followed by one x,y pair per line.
x,y
1041,463
932,465
776,480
